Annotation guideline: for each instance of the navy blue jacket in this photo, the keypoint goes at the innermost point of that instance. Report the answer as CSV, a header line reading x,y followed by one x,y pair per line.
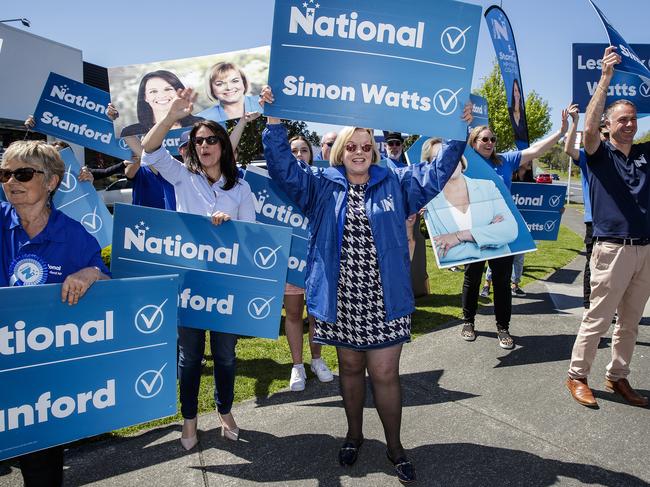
x,y
392,196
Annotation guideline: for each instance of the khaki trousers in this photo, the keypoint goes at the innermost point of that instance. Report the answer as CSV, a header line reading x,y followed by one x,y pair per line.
x,y
620,282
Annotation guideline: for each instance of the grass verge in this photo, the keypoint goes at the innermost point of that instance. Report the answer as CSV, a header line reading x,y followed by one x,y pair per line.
x,y
264,366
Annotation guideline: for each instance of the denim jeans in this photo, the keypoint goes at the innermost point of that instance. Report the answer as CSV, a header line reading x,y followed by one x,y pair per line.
x,y
191,346
517,268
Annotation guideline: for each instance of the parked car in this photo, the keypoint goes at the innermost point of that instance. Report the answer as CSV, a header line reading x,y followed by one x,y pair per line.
x,y
555,176
120,191
544,178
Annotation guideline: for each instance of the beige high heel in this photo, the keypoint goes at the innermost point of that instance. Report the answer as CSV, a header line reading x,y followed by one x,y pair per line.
x,y
189,439
231,434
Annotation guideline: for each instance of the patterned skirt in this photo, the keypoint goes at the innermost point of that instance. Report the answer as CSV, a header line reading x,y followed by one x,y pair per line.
x,y
360,314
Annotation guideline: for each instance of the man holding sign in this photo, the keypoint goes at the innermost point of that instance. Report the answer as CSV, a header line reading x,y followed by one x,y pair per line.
x,y
620,262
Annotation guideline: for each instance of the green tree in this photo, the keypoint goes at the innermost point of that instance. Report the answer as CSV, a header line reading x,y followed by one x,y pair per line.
x,y
537,111
250,145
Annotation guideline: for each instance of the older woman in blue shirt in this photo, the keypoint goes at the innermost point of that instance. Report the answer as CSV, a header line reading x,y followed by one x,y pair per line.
x,y
41,245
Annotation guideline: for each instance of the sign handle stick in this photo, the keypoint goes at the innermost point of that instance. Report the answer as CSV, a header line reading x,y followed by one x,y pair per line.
x,y
568,187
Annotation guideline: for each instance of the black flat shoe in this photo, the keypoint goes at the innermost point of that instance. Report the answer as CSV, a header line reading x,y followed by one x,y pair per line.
x,y
349,452
404,469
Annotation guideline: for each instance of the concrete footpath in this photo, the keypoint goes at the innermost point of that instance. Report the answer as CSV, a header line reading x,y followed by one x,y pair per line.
x,y
474,415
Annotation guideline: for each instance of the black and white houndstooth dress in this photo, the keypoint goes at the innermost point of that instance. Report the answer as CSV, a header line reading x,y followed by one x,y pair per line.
x,y
360,314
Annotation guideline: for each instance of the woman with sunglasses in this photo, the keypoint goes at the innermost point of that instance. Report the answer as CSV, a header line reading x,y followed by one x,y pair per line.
x,y
207,184
54,248
358,276
483,141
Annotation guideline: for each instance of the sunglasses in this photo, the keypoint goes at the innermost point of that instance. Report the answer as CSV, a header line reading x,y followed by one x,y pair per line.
x,y
329,144
485,140
393,143
352,147
212,140
22,174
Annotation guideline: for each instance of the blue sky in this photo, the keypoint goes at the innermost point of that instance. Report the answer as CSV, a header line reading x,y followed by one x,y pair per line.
x,y
123,32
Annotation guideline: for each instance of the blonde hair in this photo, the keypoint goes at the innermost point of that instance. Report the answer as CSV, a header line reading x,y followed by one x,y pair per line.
x,y
219,70
427,148
336,154
40,154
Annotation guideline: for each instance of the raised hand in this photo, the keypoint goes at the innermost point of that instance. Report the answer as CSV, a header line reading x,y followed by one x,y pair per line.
x,y
183,105
574,112
610,59
111,112
468,115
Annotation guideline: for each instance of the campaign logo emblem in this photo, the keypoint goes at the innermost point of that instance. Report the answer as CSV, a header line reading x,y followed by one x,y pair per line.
x,y
453,39
150,318
445,101
259,308
92,222
28,270
150,383
69,182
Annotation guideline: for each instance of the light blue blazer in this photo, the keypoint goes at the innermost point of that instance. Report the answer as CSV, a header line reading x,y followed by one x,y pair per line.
x,y
491,239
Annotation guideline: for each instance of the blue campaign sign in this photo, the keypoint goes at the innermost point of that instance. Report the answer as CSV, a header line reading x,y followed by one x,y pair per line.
x,y
70,372
358,63
80,201
232,275
586,73
630,61
76,112
541,207
480,112
274,207
496,225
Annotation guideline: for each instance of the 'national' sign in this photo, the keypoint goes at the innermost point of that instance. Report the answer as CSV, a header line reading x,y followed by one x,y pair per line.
x,y
358,63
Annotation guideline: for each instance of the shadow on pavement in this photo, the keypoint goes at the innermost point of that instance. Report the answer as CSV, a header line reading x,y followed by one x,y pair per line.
x,y
418,389
314,457
537,349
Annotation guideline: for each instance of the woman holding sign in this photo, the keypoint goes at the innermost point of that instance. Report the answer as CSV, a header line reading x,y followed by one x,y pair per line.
x,y
483,141
358,271
207,184
41,245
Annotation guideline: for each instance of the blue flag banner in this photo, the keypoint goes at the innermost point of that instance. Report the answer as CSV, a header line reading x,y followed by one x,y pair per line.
x,y
76,112
541,207
506,50
70,372
357,63
624,85
80,201
630,61
274,207
480,112
496,225
232,275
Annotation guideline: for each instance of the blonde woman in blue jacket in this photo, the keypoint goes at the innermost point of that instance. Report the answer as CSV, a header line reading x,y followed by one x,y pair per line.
x,y
358,283
471,219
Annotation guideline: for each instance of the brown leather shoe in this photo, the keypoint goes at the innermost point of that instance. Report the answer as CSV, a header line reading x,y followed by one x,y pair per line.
x,y
623,388
580,391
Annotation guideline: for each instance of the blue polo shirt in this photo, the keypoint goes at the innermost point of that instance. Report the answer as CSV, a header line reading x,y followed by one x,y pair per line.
x,y
509,163
152,190
62,248
619,189
584,170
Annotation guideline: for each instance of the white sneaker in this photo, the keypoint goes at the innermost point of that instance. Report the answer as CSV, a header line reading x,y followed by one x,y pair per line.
x,y
319,367
298,376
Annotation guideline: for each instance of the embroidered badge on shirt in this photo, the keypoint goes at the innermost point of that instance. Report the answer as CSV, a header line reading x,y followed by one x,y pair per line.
x,y
28,270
